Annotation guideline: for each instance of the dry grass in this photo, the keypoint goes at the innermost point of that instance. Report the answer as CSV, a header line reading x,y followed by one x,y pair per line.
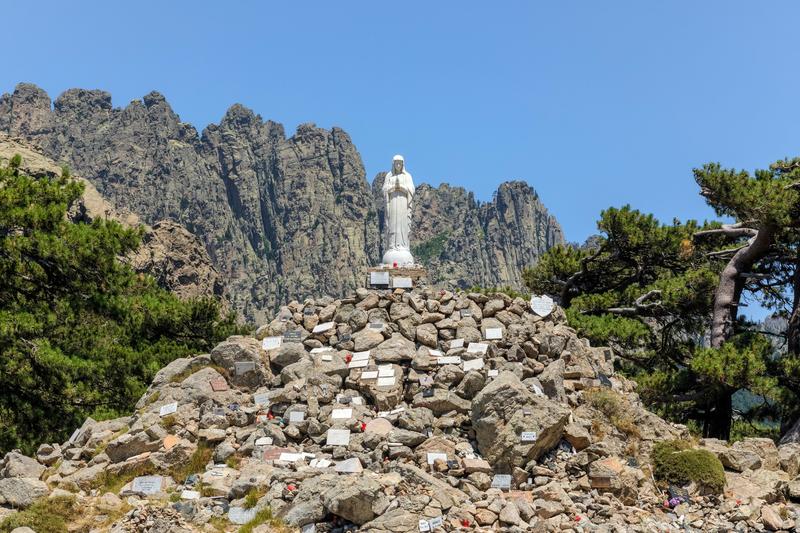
x,y
47,515
616,408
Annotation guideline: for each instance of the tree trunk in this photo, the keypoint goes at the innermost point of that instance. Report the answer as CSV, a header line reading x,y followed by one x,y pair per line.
x,y
793,328
729,290
717,424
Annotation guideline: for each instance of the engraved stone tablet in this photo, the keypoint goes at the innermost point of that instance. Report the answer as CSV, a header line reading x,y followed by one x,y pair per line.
x,y
323,349
376,325
369,374
342,413
243,367
432,456
542,305
293,336
327,358
168,409
604,381
456,343
424,526
466,313
320,463
270,343
435,353
385,371
401,283
74,435
297,416
473,364
386,382
355,363
477,347
338,437
449,360
436,522
290,457
147,484
360,356
218,384
494,334
322,328
493,373
501,481
527,436
379,278
427,393
190,495
240,515
349,466
537,390
261,399
264,441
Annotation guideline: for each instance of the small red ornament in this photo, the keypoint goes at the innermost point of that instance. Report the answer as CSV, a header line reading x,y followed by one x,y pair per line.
x,y
464,522
363,426
290,488
348,358
394,264
577,518
270,415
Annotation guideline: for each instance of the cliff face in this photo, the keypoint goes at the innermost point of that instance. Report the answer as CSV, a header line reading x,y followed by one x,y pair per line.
x,y
280,217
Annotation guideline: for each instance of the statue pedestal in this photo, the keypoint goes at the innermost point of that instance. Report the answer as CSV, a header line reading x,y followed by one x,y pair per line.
x,y
404,277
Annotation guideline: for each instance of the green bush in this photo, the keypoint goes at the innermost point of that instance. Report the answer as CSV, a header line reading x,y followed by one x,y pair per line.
x,y
676,462
47,515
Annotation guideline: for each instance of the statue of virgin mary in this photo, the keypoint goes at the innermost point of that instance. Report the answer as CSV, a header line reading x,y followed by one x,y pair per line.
x,y
398,192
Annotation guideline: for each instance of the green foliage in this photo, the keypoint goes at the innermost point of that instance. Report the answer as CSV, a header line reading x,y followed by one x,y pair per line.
x,y
675,462
424,252
81,334
46,515
615,407
264,516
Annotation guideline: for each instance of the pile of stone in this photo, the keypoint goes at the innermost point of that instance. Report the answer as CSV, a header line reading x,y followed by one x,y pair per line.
x,y
399,411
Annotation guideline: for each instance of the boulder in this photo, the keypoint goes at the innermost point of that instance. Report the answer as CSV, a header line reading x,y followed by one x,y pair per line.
x,y
21,492
15,464
394,350
238,349
357,498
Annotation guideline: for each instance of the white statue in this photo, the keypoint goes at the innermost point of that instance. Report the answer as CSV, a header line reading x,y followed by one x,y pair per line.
x,y
398,192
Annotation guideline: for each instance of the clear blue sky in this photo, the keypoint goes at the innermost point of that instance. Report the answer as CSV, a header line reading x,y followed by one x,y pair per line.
x,y
593,103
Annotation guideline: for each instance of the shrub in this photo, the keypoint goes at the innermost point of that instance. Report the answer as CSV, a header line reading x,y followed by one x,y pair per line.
x,y
616,408
47,515
676,462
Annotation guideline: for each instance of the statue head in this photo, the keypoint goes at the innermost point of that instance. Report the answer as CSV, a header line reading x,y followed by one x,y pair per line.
x,y
397,164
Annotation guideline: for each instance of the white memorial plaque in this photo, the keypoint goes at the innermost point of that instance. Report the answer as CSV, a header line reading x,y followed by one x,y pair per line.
x,y
435,353
240,515
493,373
264,441
493,334
168,409
342,413
349,466
360,356
397,410
322,328
338,437
386,382
501,481
473,364
147,484
297,416
323,349
289,457
358,363
261,399
385,371
537,390
75,435
432,456
436,522
456,343
477,347
243,367
270,343
376,325
357,400
369,374
542,305
190,495
401,283
379,278
424,526
319,463
527,436
449,360
327,358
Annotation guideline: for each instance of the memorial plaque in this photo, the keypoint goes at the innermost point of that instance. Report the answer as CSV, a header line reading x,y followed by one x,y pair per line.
x,y
343,413
270,343
358,363
322,328
426,380
376,325
379,278
436,522
477,347
319,463
264,441
274,453
385,371
338,437
168,409
345,337
369,374
261,399
456,343
466,313
493,373
449,360
424,526
293,336
493,334
604,381
357,400
401,282
473,364
360,356
327,358
190,495
537,390
542,305
296,417
501,481
218,384
433,456
527,436
240,515
290,457
323,349
435,353
343,399
74,435
427,393
349,466
243,367
397,410
386,382
147,484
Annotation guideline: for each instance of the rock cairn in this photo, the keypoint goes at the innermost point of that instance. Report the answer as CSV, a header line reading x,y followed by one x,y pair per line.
x,y
399,411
